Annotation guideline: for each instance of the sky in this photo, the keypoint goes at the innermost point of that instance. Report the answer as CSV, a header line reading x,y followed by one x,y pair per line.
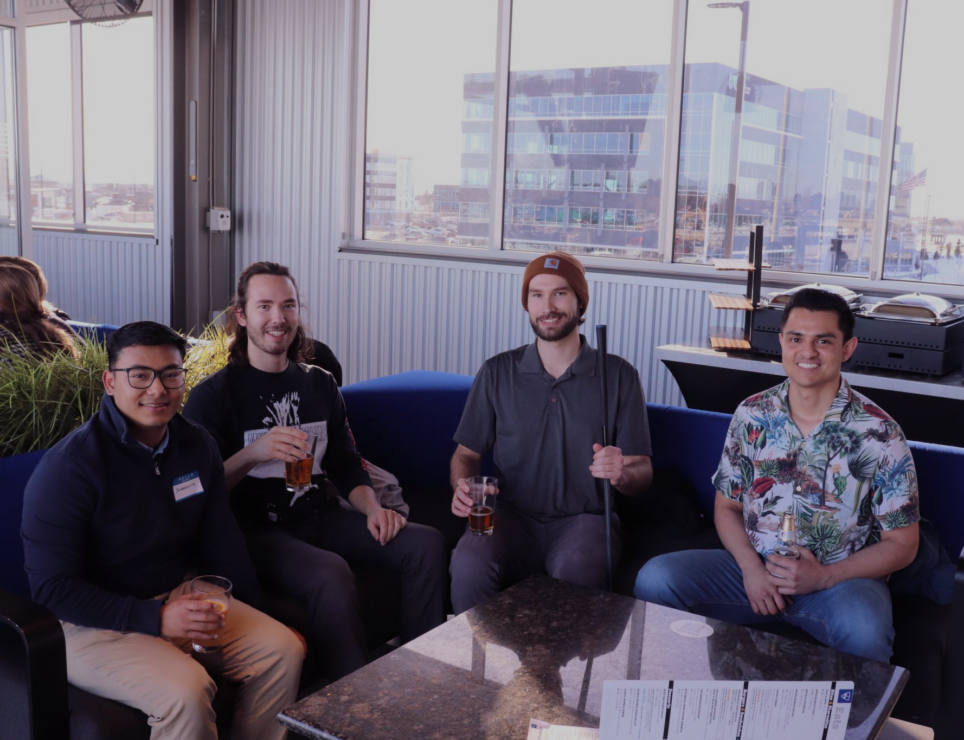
x,y
118,65
417,64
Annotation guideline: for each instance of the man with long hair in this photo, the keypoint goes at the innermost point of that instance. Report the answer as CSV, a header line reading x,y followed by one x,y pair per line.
x,y
260,409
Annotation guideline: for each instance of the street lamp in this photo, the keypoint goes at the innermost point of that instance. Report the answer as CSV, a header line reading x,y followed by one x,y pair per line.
x,y
737,128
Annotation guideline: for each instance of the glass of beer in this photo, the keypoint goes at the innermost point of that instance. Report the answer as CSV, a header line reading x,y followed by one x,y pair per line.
x,y
298,472
214,590
483,490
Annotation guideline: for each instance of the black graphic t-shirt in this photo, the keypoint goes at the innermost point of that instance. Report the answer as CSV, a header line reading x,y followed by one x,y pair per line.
x,y
239,405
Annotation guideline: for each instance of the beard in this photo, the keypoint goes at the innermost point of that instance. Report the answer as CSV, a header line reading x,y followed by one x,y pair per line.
x,y
559,331
258,340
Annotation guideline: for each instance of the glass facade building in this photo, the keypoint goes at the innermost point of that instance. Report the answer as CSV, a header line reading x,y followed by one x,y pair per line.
x,y
584,160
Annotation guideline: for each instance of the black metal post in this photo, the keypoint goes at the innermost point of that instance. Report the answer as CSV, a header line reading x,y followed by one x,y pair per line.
x,y
607,485
750,278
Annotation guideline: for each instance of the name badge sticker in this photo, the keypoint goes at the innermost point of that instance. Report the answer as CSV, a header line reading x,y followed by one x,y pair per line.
x,y
187,485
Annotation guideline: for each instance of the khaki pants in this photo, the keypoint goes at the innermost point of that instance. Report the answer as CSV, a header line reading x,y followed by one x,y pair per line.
x,y
171,685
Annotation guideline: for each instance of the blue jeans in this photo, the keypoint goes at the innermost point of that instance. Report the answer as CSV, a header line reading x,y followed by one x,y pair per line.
x,y
853,617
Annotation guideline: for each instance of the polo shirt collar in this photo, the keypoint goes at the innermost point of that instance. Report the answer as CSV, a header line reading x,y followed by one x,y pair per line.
x,y
584,364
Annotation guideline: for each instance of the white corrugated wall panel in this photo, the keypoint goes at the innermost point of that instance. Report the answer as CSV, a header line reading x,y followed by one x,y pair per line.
x,y
384,314
106,279
289,142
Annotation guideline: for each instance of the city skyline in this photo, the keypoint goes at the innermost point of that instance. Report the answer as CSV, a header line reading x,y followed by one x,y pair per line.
x,y
857,67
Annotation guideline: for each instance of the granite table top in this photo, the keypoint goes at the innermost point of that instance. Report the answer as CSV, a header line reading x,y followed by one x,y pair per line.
x,y
542,650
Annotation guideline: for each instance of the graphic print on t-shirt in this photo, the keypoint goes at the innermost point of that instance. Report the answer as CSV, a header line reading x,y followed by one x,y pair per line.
x,y
284,413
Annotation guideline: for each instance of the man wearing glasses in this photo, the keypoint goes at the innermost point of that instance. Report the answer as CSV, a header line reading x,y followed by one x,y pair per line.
x,y
115,517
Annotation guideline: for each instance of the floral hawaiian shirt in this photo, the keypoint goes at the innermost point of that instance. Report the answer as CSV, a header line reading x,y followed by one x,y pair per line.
x,y
850,478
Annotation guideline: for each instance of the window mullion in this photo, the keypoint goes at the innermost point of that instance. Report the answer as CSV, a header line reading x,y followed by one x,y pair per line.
x,y
25,206
888,136
358,123
500,103
77,103
671,132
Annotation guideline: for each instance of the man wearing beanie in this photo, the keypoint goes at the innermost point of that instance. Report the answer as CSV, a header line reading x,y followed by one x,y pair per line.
x,y
539,409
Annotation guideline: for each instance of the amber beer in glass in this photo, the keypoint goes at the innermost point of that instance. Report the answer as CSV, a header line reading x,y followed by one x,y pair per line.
x,y
298,472
215,590
483,490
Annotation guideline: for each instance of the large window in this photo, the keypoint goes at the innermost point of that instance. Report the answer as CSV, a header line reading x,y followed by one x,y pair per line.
x,y
119,123
51,126
91,101
570,113
780,135
428,139
587,100
9,233
925,232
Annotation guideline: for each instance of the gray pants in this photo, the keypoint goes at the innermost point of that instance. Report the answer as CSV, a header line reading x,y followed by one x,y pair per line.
x,y
172,687
572,549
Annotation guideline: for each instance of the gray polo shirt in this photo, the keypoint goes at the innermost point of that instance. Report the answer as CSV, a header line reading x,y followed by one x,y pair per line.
x,y
541,429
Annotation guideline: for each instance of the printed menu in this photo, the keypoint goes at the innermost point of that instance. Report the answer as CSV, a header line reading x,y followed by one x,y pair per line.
x,y
725,710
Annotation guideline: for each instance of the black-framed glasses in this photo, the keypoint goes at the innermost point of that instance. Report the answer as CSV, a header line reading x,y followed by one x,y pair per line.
x,y
142,378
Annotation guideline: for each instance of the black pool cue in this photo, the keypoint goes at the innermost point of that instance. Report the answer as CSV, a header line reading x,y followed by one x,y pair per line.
x,y
607,484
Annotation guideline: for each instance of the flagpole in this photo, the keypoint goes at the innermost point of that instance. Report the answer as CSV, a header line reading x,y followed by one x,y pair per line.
x,y
927,215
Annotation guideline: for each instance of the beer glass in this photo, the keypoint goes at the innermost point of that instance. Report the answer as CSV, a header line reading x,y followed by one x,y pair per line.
x,y
298,472
482,489
214,590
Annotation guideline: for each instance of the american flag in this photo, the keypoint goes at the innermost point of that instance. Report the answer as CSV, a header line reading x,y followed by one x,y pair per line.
x,y
915,182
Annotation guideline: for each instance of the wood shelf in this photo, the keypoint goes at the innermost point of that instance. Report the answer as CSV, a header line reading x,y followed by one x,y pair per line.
x,y
731,301
731,338
724,339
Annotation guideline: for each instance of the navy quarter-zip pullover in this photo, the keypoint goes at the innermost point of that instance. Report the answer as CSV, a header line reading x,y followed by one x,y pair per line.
x,y
104,533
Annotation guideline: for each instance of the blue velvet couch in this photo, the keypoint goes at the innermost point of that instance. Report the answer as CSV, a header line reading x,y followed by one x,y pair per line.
x,y
405,424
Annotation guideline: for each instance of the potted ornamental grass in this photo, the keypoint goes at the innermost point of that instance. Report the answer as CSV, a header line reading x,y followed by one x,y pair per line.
x,y
43,399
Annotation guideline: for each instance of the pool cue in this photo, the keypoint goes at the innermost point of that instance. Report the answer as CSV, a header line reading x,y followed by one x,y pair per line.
x,y
607,484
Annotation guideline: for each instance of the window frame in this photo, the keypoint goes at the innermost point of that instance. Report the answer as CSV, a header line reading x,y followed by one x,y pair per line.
x,y
353,241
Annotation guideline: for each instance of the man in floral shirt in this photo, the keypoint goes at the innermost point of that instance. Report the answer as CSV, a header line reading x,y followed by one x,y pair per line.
x,y
816,448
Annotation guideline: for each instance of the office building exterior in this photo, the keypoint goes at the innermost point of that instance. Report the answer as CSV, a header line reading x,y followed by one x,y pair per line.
x,y
584,160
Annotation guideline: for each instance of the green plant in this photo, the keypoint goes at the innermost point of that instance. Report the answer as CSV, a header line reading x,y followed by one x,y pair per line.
x,y
43,399
206,356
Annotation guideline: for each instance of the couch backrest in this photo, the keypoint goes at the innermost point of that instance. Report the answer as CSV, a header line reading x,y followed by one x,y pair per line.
x,y
690,442
100,332
14,474
405,423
